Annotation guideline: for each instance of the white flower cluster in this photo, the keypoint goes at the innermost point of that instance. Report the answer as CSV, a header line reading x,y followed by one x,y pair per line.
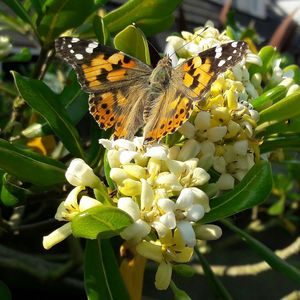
x,y
160,188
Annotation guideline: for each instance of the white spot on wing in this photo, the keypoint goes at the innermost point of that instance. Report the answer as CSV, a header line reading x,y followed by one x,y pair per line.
x,y
218,49
92,45
72,51
70,46
218,55
229,57
234,51
74,40
234,44
79,56
89,50
221,63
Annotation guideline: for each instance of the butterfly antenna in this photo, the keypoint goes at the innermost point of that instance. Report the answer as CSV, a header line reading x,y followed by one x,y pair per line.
x,y
197,35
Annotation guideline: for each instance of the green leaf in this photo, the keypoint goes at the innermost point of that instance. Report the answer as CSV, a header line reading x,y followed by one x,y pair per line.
x,y
178,293
18,9
284,109
60,15
132,41
5,293
40,97
23,56
100,30
29,166
268,255
137,11
277,208
104,220
287,126
101,273
251,191
269,97
284,141
11,192
218,288
157,25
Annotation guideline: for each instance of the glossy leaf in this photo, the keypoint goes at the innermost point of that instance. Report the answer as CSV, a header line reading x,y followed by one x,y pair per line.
x,y
100,30
157,25
30,166
11,192
18,9
132,41
218,288
267,254
75,102
284,109
5,293
101,273
60,15
287,126
286,142
137,11
269,97
40,97
103,220
23,56
251,191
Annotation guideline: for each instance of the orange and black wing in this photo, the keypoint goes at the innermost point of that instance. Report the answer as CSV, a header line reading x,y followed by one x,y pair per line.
x,y
114,79
189,82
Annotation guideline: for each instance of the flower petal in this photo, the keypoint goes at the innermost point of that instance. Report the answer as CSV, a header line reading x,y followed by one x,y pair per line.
x,y
87,202
80,174
150,251
163,275
57,236
147,196
187,233
195,213
136,231
129,206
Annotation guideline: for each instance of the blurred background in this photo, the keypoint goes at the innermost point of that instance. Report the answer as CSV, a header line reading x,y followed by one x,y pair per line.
x,y
274,22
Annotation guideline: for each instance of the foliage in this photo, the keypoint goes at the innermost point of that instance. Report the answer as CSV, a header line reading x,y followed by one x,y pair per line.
x,y
45,124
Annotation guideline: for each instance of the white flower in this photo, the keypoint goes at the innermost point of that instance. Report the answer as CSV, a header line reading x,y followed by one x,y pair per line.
x,y
80,174
66,211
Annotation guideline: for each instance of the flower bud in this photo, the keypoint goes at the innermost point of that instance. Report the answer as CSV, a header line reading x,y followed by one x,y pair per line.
x,y
208,232
80,174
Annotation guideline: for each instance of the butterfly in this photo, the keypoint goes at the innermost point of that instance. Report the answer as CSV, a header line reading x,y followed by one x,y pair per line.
x,y
128,94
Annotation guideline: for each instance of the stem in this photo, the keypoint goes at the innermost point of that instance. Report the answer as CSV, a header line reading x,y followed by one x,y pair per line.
x,y
216,284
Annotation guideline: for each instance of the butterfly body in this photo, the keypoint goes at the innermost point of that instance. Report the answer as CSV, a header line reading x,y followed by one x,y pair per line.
x,y
128,94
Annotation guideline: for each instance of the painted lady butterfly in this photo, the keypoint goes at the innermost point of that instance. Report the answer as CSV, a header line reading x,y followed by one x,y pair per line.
x,y
127,94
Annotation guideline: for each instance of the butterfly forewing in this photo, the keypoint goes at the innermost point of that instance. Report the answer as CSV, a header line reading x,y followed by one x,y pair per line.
x,y
116,81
